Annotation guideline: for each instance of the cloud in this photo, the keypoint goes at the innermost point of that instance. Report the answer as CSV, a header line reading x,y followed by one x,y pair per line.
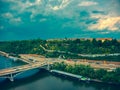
x,y
106,22
43,20
7,15
79,16
11,18
106,32
2,27
62,4
16,20
87,3
98,12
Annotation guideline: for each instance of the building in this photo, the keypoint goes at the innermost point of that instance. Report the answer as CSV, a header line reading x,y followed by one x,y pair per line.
x,y
104,39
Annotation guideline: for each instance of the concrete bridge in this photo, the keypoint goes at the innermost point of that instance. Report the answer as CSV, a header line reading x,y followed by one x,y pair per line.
x,y
14,71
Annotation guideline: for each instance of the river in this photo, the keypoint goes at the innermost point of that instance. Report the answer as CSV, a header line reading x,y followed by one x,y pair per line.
x,y
6,62
44,80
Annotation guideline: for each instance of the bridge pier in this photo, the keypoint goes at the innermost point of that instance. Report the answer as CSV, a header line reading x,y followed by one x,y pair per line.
x,y
48,66
11,78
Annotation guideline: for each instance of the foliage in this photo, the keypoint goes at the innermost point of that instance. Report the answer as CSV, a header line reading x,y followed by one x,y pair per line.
x,y
68,47
22,47
87,71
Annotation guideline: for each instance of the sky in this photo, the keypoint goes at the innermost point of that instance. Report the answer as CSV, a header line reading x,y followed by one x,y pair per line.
x,y
47,19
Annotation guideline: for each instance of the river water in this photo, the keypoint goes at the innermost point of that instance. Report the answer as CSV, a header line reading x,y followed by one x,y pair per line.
x,y
6,62
46,81
43,80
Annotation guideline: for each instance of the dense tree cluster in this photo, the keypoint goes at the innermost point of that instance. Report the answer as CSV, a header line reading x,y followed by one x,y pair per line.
x,y
85,46
87,71
22,47
70,48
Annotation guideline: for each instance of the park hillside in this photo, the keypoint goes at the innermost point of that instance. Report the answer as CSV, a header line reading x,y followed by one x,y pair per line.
x,y
70,48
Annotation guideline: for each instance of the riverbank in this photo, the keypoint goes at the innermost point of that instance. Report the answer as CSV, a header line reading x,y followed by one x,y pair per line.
x,y
99,75
79,77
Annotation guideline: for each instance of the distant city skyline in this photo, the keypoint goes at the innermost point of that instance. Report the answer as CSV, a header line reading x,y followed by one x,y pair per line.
x,y
49,19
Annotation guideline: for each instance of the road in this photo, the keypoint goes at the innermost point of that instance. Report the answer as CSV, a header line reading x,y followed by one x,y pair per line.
x,y
83,55
25,67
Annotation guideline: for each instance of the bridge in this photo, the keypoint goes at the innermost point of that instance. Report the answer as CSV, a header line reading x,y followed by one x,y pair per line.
x,y
12,72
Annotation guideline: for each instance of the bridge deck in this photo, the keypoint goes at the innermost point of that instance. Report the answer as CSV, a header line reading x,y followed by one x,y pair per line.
x,y
21,68
26,60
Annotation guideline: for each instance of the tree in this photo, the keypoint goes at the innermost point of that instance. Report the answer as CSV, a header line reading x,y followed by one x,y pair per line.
x,y
100,73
